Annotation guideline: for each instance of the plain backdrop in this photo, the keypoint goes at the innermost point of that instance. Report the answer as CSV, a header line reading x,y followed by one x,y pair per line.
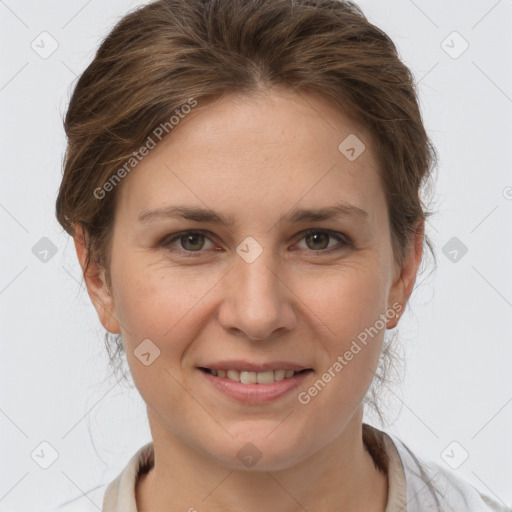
x,y
456,394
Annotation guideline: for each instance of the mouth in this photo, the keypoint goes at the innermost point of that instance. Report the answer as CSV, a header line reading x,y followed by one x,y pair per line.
x,y
253,377
254,383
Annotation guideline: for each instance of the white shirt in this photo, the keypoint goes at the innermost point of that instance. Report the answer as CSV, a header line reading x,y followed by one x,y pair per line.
x,y
413,486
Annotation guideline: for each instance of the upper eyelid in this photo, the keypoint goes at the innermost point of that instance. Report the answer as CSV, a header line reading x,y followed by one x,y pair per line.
x,y
342,238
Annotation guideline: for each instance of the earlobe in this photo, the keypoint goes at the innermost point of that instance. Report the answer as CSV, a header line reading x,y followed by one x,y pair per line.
x,y
397,308
96,284
404,283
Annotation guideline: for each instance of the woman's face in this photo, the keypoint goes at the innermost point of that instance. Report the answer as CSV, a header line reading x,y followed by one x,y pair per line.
x,y
248,288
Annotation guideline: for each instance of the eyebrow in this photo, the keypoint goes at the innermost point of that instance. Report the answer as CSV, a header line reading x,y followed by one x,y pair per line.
x,y
341,209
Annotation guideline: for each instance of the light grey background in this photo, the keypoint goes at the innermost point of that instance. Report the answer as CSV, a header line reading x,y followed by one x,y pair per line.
x,y
456,333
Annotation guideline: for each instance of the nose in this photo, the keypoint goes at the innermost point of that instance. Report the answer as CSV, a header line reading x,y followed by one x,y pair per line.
x,y
258,303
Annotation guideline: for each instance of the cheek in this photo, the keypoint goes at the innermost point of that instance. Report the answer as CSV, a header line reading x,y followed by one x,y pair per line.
x,y
163,305
345,300
348,304
159,301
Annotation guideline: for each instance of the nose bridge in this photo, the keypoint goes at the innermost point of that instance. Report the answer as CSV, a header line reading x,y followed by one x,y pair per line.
x,y
258,303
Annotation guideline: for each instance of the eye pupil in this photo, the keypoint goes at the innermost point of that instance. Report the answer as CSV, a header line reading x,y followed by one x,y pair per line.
x,y
314,237
194,241
193,238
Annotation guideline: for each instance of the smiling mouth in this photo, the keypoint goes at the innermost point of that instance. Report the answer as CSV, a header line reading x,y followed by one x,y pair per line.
x,y
247,377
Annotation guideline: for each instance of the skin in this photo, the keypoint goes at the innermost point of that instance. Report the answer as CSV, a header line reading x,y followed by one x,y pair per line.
x,y
255,158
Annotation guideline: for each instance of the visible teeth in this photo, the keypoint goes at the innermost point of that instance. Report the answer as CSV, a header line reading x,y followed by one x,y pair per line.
x,y
233,375
279,374
265,377
247,377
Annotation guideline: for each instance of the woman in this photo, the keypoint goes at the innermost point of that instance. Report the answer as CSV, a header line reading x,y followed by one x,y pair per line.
x,y
212,145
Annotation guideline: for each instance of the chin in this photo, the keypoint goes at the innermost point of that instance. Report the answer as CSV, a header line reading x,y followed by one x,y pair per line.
x,y
257,453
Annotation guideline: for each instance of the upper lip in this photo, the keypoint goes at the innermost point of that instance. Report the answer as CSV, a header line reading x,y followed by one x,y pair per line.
x,y
254,367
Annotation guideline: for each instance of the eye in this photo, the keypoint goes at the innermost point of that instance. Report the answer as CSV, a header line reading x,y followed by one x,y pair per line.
x,y
317,240
190,242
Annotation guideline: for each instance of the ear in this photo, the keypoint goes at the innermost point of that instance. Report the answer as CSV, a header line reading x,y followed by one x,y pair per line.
x,y
405,276
96,284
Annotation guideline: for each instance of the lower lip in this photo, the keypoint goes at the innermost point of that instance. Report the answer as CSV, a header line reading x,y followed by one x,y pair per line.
x,y
256,393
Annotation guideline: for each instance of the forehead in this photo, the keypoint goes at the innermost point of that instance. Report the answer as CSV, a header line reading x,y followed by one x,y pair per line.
x,y
255,153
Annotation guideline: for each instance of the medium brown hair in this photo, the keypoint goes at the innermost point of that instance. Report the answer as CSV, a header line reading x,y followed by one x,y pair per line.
x,y
159,56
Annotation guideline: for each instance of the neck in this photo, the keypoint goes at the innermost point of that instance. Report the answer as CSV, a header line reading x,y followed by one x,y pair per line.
x,y
340,477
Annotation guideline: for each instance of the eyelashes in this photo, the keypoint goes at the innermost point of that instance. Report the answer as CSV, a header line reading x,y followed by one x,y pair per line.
x,y
195,237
